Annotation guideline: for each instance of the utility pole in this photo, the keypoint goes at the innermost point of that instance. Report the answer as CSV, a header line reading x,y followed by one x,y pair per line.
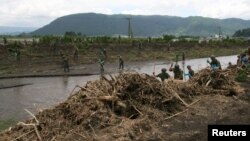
x,y
130,32
220,34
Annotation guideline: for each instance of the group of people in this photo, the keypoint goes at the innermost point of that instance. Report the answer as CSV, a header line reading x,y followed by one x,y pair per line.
x,y
243,60
103,58
101,61
178,73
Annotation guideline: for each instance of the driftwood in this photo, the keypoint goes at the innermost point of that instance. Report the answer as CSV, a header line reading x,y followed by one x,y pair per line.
x,y
107,98
79,135
176,114
93,130
32,124
35,129
182,111
22,135
37,122
176,95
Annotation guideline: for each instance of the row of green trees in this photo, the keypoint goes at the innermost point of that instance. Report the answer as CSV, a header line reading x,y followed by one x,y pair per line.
x,y
78,38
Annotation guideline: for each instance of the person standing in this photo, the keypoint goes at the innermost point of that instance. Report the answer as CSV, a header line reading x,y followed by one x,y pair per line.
x,y
101,65
163,75
66,64
104,53
121,63
178,73
239,60
190,71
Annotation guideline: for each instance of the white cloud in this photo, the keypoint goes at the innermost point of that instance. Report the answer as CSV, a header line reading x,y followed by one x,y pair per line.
x,y
238,9
41,12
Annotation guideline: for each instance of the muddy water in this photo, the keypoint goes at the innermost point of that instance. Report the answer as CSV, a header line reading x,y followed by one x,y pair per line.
x,y
197,64
47,92
43,93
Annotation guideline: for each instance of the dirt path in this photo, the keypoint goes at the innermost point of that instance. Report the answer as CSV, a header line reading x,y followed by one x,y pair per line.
x,y
211,109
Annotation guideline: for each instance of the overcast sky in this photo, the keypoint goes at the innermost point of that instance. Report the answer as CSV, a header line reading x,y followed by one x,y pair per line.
x,y
37,13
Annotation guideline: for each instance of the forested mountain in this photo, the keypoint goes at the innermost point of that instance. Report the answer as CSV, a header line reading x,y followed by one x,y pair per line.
x,y
93,24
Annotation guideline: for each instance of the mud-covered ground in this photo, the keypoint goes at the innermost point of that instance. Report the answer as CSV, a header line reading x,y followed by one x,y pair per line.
x,y
211,109
43,59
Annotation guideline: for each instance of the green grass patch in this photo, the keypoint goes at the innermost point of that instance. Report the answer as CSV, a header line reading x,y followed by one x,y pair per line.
x,y
4,124
242,75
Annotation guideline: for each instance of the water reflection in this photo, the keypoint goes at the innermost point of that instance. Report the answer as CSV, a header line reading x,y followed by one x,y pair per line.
x,y
44,92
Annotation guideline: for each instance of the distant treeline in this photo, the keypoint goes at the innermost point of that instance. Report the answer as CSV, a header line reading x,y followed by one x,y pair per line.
x,y
242,33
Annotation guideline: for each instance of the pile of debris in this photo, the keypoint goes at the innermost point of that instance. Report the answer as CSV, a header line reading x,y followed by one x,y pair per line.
x,y
216,82
129,106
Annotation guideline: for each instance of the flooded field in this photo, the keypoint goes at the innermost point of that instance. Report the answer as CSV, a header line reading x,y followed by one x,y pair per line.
x,y
45,92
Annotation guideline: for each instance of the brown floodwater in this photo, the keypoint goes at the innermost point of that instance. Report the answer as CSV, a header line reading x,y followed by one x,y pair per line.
x,y
46,92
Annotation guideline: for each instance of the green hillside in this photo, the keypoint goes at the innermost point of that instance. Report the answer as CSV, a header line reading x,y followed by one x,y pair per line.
x,y
242,33
99,24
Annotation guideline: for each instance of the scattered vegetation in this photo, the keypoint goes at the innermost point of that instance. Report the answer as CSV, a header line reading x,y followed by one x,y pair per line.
x,y
48,49
243,74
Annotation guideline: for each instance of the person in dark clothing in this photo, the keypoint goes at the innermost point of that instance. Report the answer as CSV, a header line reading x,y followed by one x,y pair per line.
x,y
239,60
190,71
163,75
215,64
104,52
121,63
66,64
244,59
101,65
178,73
